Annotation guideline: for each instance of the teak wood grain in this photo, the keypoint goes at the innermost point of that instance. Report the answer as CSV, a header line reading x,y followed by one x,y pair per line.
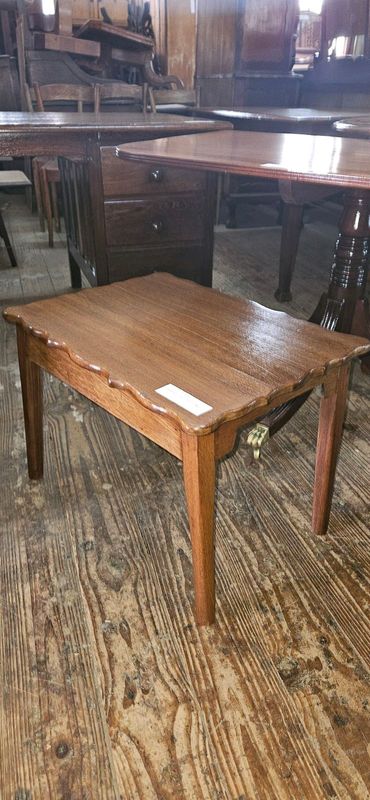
x,y
118,344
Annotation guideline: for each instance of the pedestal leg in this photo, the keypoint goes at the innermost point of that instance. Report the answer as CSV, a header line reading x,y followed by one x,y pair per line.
x,y
329,437
345,307
342,304
31,381
198,453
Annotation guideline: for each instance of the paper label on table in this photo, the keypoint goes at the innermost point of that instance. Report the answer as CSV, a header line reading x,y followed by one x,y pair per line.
x,y
288,167
184,399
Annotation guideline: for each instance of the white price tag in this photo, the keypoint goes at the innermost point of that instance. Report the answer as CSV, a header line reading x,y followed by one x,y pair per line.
x,y
184,399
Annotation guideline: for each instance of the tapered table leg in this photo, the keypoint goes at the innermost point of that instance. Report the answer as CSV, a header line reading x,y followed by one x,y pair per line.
x,y
295,196
31,382
290,232
199,468
332,411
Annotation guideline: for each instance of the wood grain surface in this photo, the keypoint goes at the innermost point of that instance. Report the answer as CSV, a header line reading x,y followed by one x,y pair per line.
x,y
108,689
158,330
309,158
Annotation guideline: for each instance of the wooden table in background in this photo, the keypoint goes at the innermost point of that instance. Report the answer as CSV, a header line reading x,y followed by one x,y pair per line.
x,y
121,219
356,127
294,196
303,159
276,120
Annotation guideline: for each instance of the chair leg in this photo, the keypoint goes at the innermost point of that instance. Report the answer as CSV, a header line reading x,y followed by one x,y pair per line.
x,y
4,235
199,466
76,279
55,205
38,193
47,205
332,412
31,381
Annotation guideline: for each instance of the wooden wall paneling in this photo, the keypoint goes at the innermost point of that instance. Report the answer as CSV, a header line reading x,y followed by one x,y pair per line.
x,y
158,10
181,40
83,10
265,34
216,37
230,39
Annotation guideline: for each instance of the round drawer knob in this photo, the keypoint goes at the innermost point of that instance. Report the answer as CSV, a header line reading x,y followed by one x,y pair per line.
x,y
157,226
156,175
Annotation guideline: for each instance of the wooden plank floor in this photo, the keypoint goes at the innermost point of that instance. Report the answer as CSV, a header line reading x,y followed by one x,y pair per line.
x,y
108,688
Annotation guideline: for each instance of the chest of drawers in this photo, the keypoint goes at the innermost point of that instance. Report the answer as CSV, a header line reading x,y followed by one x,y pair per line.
x,y
125,219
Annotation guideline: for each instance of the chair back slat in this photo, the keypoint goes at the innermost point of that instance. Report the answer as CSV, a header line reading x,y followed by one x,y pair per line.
x,y
49,94
126,93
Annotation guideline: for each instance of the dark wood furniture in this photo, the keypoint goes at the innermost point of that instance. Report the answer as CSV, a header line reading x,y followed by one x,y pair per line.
x,y
341,73
187,367
121,219
278,120
292,158
274,119
245,52
9,84
356,127
126,47
46,171
9,179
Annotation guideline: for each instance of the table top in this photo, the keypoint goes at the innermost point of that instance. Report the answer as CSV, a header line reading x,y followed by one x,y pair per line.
x,y
358,126
85,122
230,356
259,113
328,160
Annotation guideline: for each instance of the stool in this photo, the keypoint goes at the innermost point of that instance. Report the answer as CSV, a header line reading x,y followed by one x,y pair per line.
x,y
187,367
8,179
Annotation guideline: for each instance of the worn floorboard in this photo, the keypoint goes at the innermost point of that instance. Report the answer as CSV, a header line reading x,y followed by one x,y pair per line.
x,y
108,689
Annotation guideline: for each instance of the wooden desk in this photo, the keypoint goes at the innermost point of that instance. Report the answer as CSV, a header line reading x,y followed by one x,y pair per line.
x,y
121,219
298,158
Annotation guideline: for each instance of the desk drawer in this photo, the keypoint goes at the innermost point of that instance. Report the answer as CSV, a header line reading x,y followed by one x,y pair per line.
x,y
155,221
121,178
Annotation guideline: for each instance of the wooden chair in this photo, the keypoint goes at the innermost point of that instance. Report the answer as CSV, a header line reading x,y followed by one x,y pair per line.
x,y
167,98
46,175
127,94
9,179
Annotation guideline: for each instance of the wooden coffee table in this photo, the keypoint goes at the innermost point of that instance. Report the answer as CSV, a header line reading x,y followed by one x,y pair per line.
x,y
187,367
